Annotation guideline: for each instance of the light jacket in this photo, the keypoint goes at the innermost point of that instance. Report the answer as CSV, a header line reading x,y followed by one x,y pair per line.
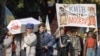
x,y
29,42
7,44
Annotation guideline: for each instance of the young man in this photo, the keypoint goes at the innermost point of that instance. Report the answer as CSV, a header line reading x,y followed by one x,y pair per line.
x,y
76,46
45,42
29,41
62,43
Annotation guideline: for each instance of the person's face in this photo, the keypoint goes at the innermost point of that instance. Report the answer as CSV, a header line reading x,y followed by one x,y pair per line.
x,y
89,34
85,34
9,33
29,30
74,33
42,29
62,31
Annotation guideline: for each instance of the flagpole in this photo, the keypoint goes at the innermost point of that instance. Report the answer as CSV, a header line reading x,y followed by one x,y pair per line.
x,y
96,31
87,29
48,25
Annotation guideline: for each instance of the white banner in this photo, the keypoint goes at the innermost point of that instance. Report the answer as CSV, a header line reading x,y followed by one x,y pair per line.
x,y
78,15
19,25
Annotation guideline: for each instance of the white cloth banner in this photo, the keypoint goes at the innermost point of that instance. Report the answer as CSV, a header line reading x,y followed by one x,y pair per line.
x,y
78,15
19,25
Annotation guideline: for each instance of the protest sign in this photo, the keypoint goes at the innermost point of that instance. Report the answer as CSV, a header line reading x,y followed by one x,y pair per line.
x,y
78,15
19,25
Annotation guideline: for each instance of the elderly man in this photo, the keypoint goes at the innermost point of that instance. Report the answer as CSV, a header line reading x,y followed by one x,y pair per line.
x,y
29,41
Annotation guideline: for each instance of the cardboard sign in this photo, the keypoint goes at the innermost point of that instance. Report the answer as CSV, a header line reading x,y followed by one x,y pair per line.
x,y
78,15
19,26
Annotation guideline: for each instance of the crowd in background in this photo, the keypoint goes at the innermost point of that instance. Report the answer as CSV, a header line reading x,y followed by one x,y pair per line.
x,y
41,43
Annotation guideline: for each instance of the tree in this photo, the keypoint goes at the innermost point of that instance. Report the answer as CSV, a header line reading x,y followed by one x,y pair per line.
x,y
2,17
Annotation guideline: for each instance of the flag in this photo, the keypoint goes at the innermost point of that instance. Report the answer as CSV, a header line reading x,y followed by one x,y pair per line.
x,y
87,29
40,19
48,25
8,16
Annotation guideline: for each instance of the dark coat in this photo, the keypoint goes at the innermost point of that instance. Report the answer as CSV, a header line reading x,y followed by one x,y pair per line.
x,y
44,39
64,40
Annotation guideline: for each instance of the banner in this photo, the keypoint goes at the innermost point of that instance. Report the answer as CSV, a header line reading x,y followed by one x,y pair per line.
x,y
19,25
8,16
78,15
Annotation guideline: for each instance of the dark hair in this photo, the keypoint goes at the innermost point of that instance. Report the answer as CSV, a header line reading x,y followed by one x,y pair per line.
x,y
62,28
42,24
90,32
6,31
73,30
93,35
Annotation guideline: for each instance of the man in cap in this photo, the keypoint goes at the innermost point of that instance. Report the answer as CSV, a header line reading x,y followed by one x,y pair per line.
x,y
29,41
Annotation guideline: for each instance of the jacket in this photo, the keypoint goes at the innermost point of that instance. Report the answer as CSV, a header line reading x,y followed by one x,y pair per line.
x,y
7,44
29,42
64,41
75,41
44,39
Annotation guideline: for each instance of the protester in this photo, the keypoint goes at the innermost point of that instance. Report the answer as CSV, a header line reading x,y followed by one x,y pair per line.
x,y
8,44
45,42
62,43
90,45
75,44
29,41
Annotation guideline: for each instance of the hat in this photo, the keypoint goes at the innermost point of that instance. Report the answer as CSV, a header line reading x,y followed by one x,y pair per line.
x,y
30,26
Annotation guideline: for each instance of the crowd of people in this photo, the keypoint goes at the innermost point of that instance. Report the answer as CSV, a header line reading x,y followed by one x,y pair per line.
x,y
41,43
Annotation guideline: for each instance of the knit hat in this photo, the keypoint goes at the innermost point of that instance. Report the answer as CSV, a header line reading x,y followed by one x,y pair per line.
x,y
30,26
